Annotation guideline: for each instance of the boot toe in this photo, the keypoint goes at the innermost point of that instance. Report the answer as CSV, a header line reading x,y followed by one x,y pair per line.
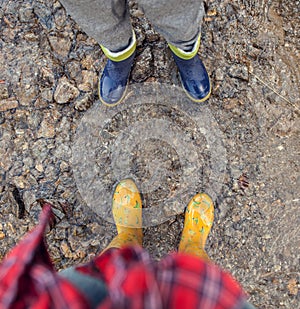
x,y
194,78
127,205
110,92
198,90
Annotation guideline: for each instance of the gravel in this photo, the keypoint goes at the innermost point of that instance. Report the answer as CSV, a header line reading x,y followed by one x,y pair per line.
x,y
48,82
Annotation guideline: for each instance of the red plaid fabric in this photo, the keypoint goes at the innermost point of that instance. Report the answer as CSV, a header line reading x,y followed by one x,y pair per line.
x,y
178,281
28,280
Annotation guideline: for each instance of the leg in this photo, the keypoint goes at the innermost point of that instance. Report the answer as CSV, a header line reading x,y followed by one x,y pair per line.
x,y
127,212
180,25
109,24
198,221
106,21
179,22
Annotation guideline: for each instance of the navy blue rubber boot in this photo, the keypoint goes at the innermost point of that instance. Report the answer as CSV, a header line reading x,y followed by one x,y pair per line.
x,y
113,81
194,78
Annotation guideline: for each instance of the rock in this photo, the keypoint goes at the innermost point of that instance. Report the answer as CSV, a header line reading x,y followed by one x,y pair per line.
x,y
8,104
58,213
162,67
64,166
2,235
60,18
3,91
88,81
47,76
29,199
292,285
65,91
73,69
51,172
63,151
40,103
31,180
20,182
87,62
142,68
219,74
65,249
61,44
80,254
83,102
28,162
26,14
140,35
44,14
239,71
47,94
27,93
39,167
152,36
47,129
31,37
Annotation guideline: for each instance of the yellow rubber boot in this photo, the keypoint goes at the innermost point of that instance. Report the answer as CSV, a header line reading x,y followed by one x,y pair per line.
x,y
127,213
199,217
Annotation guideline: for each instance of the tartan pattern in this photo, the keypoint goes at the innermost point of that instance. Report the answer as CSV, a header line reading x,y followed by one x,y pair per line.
x,y
177,281
28,279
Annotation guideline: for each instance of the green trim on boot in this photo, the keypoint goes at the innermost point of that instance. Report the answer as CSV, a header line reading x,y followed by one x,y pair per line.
x,y
183,54
122,55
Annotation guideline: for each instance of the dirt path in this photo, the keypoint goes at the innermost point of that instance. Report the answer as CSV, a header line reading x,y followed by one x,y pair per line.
x,y
48,83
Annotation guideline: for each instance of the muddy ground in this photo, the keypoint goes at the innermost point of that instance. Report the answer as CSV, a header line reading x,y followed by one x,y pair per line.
x,y
48,82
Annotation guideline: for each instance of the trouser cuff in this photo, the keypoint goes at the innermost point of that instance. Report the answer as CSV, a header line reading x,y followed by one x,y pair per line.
x,y
186,55
123,54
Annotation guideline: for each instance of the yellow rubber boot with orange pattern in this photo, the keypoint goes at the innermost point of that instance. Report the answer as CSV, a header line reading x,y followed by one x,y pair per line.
x,y
127,213
199,217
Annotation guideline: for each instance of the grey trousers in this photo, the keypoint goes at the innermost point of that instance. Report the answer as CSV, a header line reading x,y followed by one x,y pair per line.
x,y
107,21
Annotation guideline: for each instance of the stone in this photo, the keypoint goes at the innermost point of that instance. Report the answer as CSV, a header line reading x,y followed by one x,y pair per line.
x,y
219,74
65,91
60,43
73,69
3,90
47,129
26,14
239,71
60,18
292,285
47,75
64,166
39,167
27,93
65,249
87,62
8,104
152,36
142,68
47,94
2,235
29,199
88,81
20,182
83,102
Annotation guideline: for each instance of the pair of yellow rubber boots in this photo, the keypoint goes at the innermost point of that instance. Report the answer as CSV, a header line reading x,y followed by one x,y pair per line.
x,y
127,213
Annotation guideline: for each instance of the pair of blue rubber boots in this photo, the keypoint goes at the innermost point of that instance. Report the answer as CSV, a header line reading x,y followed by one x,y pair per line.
x,y
114,78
